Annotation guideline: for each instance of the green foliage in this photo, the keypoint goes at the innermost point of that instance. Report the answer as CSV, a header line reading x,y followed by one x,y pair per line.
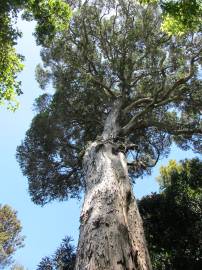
x,y
182,16
113,51
179,16
64,258
52,17
57,161
10,66
10,238
166,173
10,61
172,219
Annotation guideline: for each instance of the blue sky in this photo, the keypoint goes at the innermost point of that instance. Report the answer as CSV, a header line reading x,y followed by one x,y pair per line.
x,y
44,227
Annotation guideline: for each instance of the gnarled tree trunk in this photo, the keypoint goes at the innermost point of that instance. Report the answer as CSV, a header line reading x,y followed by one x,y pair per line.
x,y
111,232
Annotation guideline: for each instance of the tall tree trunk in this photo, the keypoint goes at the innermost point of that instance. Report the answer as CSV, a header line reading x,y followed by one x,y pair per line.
x,y
111,232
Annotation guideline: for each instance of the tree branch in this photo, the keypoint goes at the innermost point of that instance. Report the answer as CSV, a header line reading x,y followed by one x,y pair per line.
x,y
163,101
136,103
183,130
186,78
107,89
131,123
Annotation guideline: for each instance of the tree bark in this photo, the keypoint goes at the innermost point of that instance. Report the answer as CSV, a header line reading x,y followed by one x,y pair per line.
x,y
111,231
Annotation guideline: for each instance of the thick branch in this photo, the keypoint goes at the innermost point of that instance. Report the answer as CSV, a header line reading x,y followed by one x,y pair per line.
x,y
136,103
163,101
106,89
131,123
93,78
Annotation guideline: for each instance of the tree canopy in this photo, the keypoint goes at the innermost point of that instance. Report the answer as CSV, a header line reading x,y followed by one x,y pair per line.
x,y
10,234
172,219
52,16
113,54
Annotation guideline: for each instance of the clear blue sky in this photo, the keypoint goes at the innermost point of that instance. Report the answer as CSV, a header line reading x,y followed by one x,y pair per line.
x,y
44,227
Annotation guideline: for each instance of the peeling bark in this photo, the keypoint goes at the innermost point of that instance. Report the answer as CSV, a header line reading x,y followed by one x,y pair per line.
x,y
111,231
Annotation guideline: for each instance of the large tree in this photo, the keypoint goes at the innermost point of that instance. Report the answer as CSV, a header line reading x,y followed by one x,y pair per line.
x,y
10,235
172,219
124,92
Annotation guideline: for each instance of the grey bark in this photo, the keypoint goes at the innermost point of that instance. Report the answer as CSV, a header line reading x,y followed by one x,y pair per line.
x,y
111,231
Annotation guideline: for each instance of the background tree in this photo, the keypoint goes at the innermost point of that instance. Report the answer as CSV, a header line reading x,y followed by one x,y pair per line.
x,y
172,219
124,92
17,267
51,15
63,259
46,264
179,16
10,234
